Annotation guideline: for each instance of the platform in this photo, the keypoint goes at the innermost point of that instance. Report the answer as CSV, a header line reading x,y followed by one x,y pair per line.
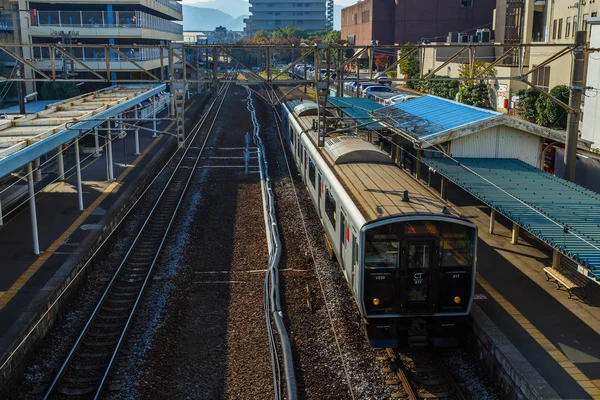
x,y
64,231
558,336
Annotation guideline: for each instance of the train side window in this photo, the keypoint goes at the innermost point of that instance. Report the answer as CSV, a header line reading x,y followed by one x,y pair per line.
x,y
330,207
292,135
354,249
311,172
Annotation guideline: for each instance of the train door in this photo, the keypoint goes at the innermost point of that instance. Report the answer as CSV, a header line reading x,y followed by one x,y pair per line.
x,y
320,190
418,260
345,244
355,263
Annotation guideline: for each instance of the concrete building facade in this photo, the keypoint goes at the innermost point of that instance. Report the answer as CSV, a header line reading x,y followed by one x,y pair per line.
x,y
591,110
401,21
309,15
89,22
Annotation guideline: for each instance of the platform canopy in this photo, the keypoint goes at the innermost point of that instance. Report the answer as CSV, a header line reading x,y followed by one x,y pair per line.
x,y
358,108
562,214
25,138
431,120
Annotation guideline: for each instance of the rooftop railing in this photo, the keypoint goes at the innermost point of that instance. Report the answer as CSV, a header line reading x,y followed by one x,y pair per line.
x,y
104,19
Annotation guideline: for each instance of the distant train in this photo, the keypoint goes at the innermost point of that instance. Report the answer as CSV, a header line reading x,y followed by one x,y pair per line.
x,y
408,259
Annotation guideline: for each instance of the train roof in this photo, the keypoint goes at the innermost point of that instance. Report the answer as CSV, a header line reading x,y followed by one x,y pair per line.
x,y
372,180
378,191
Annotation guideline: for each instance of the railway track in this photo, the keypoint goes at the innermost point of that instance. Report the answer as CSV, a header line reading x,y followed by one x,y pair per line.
x,y
88,365
421,374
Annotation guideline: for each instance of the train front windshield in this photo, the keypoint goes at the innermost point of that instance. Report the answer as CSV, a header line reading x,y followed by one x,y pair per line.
x,y
419,266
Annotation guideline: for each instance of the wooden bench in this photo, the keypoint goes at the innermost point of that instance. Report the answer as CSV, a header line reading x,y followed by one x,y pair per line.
x,y
573,281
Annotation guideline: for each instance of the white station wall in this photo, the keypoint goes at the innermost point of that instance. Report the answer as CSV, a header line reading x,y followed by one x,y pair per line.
x,y
499,142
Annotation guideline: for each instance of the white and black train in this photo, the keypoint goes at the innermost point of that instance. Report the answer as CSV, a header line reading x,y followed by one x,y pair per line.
x,y
408,259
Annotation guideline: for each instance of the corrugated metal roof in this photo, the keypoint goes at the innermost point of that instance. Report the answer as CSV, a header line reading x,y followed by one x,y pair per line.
x,y
562,214
24,139
358,108
430,115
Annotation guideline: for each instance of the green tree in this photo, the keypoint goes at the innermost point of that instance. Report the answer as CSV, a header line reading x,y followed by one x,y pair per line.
x,y
442,88
410,67
7,89
478,67
58,90
477,95
551,114
526,105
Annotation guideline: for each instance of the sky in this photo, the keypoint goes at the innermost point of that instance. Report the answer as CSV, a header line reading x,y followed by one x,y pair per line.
x,y
339,2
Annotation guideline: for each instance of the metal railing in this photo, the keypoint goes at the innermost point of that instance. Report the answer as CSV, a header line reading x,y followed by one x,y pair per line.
x,y
97,54
173,5
104,19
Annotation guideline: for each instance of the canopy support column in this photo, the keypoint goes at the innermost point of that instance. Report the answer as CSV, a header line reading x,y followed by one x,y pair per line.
x,y
78,168
444,188
32,211
1,216
154,100
60,163
492,220
556,256
37,174
515,233
137,132
418,166
96,143
109,152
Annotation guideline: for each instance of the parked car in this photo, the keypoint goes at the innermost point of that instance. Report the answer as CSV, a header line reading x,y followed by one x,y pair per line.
x,y
371,90
399,99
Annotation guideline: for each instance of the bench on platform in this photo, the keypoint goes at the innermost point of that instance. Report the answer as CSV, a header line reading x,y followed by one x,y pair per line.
x,y
573,281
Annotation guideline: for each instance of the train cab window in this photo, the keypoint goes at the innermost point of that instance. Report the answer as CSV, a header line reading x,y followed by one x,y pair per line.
x,y
292,135
330,207
381,248
312,172
457,246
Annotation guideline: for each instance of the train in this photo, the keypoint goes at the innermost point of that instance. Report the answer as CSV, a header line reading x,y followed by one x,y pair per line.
x,y
409,259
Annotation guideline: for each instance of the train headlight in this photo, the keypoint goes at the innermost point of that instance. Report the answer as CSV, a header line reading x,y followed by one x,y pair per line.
x,y
376,301
457,300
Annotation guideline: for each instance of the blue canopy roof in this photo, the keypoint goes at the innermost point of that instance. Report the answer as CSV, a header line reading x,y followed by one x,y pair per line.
x,y
562,214
358,108
430,115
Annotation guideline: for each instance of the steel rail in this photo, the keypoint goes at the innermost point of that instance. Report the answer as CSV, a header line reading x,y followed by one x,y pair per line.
x,y
92,318
272,274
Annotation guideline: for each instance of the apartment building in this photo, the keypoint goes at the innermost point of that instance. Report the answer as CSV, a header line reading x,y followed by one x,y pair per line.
x,y
309,15
98,22
401,21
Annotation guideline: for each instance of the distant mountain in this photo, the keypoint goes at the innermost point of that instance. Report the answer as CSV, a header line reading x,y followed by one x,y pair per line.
x,y
238,23
200,19
235,8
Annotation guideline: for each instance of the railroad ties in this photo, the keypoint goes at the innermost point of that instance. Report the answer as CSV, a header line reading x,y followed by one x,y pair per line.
x,y
420,374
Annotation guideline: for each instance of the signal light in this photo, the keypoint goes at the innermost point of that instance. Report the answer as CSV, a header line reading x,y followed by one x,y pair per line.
x,y
376,301
457,300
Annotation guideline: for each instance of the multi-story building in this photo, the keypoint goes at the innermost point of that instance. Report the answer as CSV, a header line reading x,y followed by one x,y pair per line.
x,y
309,15
401,21
99,22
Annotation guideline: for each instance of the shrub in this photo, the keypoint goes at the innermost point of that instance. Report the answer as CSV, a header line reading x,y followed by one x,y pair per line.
x,y
549,113
526,105
58,90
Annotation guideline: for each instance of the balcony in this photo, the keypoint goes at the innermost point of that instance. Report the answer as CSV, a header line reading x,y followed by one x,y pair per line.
x,y
171,9
95,58
130,24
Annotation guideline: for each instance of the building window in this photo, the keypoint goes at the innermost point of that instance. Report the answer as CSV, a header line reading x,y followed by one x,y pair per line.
x,y
559,28
541,78
554,30
568,28
585,22
575,23
330,207
366,15
466,3
355,19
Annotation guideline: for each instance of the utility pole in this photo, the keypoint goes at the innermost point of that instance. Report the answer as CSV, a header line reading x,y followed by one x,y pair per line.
x,y
575,96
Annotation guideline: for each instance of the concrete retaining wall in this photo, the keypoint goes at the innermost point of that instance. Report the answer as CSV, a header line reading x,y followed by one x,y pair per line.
x,y
508,368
